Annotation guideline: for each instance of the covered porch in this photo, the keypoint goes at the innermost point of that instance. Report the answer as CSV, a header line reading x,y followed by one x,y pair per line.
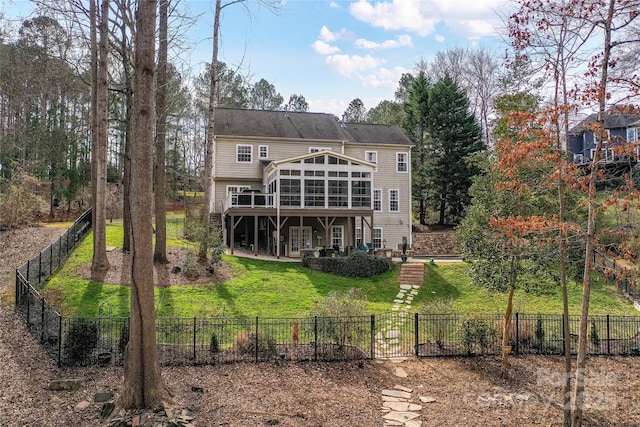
x,y
294,232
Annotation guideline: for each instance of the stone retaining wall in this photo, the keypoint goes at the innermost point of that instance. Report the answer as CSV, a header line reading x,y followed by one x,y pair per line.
x,y
436,243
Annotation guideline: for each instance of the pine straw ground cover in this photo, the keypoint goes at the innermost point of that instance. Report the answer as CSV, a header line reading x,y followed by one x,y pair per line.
x,y
467,391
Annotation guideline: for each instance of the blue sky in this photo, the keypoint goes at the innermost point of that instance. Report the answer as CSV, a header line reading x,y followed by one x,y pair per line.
x,y
334,51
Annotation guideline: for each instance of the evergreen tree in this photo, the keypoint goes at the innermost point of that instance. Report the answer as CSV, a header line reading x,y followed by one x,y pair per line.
x,y
414,123
454,136
355,112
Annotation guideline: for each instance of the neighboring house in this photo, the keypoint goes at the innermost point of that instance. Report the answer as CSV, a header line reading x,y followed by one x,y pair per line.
x,y
287,182
621,128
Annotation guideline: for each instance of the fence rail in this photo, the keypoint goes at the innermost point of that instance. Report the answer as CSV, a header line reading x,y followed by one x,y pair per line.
x,y
190,341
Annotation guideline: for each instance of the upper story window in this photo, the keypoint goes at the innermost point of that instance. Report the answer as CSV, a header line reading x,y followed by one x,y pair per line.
x,y
263,152
244,153
394,200
402,162
632,134
316,149
371,156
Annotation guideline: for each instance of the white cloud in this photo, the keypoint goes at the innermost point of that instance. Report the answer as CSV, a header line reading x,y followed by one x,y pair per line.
x,y
347,65
329,36
439,38
334,5
324,48
468,18
383,77
396,15
403,40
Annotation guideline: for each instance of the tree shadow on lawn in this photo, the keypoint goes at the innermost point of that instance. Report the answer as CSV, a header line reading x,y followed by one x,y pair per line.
x,y
436,287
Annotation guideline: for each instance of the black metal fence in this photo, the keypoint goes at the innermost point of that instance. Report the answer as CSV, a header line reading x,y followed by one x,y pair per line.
x,y
180,341
193,341
42,319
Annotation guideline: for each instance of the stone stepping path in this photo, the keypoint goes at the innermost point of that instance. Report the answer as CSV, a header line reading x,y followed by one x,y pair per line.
x,y
387,342
400,407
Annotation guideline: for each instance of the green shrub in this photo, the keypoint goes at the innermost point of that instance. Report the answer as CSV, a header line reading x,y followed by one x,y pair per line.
x,y
340,316
357,264
214,345
477,331
80,340
190,266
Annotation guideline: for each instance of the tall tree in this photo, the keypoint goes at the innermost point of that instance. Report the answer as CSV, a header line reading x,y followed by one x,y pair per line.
x,y
265,97
355,112
100,263
415,125
143,386
454,136
297,103
386,113
159,176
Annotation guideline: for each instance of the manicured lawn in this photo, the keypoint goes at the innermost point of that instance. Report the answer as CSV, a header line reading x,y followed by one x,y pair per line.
x,y
286,289
452,281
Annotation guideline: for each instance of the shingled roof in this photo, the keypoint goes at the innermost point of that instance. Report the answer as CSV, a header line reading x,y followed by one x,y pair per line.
x,y
295,125
611,121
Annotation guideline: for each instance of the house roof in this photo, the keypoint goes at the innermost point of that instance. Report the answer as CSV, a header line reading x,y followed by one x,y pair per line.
x,y
295,125
611,121
276,163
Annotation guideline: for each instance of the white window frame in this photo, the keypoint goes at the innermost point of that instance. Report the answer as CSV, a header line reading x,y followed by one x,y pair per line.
x,y
358,237
377,242
237,188
405,161
238,153
395,200
263,152
337,239
377,201
371,157
632,132
317,149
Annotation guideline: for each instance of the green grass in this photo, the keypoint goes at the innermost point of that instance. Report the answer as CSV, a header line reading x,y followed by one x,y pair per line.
x,y
286,289
452,281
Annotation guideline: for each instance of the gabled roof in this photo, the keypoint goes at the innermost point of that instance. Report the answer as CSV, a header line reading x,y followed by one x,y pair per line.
x,y
612,120
275,163
310,126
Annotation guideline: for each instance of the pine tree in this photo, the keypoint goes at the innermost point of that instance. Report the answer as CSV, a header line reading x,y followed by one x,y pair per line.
x,y
454,137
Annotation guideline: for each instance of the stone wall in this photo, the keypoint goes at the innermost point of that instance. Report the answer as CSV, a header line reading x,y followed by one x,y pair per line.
x,y
436,243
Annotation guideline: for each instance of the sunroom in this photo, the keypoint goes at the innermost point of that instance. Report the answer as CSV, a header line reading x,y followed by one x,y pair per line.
x,y
310,203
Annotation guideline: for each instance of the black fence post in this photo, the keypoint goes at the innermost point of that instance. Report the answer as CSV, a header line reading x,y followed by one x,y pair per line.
x,y
17,297
28,312
28,270
608,336
257,343
42,319
50,259
373,336
417,334
315,336
194,338
59,340
564,337
517,333
39,267
59,250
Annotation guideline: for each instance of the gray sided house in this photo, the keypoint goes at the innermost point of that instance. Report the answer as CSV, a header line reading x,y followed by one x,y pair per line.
x,y
289,183
623,130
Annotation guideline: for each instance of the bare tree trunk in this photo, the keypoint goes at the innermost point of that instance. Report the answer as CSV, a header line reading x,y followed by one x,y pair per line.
x,y
160,249
143,386
581,362
100,264
506,324
210,147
